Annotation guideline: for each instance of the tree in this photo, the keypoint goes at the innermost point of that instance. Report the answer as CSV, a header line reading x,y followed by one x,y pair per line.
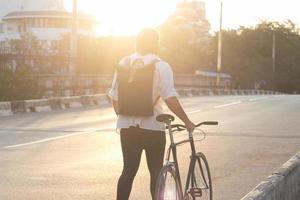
x,y
185,44
28,50
18,80
95,55
247,54
6,85
25,84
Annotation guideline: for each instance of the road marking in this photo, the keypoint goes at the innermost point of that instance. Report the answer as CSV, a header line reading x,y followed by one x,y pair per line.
x,y
194,111
258,98
52,138
229,104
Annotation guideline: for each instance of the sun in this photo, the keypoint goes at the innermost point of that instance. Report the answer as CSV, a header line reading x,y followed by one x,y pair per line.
x,y
120,17
127,17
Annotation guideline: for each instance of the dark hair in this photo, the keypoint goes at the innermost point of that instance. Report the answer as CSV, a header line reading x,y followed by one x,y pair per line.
x,y
147,41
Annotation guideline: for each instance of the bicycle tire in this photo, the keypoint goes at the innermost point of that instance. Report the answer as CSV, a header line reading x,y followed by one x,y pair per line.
x,y
200,184
170,192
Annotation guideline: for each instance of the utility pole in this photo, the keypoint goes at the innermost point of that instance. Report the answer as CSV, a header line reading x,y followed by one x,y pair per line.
x,y
219,67
273,59
73,39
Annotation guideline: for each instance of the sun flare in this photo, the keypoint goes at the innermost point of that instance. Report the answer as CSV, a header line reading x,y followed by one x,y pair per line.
x,y
127,17
118,17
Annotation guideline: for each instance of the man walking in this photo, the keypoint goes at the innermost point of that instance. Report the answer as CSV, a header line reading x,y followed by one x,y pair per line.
x,y
141,83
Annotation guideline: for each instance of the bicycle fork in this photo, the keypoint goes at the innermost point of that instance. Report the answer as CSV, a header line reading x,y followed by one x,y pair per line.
x,y
175,163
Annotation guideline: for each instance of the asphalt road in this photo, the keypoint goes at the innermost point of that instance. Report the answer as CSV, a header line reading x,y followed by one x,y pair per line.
x,y
75,154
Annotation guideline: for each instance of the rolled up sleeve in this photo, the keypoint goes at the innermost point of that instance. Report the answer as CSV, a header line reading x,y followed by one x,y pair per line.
x,y
166,86
113,92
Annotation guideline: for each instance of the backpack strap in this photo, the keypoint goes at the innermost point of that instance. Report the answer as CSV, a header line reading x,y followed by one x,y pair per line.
x,y
155,61
126,63
156,100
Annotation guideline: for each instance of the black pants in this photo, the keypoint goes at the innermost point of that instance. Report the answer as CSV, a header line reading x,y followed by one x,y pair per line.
x,y
133,141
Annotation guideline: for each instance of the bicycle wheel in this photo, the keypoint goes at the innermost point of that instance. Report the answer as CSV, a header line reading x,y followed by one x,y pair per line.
x,y
201,185
167,185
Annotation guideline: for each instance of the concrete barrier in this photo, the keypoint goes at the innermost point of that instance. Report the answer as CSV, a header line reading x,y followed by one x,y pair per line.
x,y
283,184
5,109
18,106
55,103
100,99
39,105
86,100
70,102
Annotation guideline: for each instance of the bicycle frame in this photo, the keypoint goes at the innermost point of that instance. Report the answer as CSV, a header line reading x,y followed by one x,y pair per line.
x,y
172,149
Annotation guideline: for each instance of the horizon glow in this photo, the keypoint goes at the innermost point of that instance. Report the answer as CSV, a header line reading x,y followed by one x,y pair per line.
x,y
120,17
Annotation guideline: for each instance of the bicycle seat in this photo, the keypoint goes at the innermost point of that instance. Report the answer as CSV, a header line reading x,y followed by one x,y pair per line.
x,y
165,118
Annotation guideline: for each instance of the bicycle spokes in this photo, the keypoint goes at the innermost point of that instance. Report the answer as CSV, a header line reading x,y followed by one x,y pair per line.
x,y
168,187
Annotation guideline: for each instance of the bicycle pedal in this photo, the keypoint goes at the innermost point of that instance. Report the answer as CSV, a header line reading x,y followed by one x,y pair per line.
x,y
195,192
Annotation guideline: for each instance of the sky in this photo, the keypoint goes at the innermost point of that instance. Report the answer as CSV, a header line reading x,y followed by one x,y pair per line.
x,y
126,17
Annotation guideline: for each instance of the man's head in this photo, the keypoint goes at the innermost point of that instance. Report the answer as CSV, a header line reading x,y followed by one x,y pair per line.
x,y
147,42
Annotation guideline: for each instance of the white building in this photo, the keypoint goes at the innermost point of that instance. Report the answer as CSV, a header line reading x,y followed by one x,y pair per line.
x,y
46,19
191,14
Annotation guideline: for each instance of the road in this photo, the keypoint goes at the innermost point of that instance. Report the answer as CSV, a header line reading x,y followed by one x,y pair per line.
x,y
75,154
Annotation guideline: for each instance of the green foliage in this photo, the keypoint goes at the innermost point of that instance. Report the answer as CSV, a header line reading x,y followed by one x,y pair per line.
x,y
6,85
100,55
247,55
185,46
30,51
96,55
18,80
25,84
18,85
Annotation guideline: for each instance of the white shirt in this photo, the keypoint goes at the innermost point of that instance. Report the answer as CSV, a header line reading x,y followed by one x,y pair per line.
x,y
163,86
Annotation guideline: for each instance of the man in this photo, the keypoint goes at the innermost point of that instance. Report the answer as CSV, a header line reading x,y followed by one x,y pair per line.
x,y
140,84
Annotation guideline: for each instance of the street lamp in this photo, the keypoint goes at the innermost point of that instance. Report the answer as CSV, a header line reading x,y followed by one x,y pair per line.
x,y
219,67
273,59
73,38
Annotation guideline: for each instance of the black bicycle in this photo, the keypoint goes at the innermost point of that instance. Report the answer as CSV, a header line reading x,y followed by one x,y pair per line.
x,y
198,183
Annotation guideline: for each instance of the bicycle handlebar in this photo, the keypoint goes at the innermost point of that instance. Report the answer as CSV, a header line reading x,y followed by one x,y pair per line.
x,y
210,123
180,127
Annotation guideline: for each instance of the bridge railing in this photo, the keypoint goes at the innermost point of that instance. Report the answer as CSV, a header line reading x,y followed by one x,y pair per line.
x,y
40,105
62,85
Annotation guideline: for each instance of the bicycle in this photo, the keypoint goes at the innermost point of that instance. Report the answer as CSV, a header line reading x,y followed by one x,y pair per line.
x,y
198,183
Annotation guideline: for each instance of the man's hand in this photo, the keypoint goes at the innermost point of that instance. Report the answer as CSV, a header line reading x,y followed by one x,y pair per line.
x,y
177,109
190,126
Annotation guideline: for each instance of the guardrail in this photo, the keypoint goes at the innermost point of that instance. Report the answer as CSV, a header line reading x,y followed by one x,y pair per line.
x,y
76,85
5,108
40,105
283,184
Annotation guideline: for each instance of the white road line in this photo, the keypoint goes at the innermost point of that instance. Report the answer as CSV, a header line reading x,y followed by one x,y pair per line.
x,y
51,139
229,104
258,98
194,111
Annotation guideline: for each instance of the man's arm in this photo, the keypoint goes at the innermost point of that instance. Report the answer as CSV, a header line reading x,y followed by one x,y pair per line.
x,y
168,93
175,106
115,105
113,94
